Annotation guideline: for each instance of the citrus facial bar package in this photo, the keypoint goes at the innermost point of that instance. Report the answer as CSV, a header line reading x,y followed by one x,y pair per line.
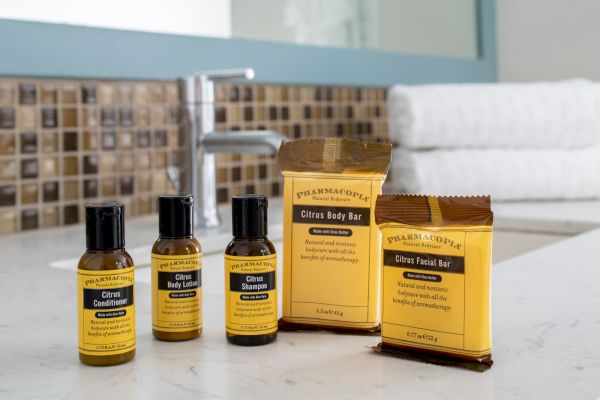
x,y
331,245
436,257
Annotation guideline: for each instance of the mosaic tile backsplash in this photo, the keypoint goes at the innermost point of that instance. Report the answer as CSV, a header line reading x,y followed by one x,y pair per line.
x,y
66,143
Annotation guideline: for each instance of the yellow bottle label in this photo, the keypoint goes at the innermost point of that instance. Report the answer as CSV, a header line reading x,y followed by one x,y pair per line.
x,y
106,311
331,246
250,295
436,288
176,292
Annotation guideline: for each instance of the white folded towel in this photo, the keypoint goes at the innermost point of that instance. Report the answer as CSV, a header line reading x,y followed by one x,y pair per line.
x,y
534,115
504,174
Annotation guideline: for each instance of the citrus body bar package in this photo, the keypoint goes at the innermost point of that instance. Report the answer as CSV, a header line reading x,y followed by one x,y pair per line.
x,y
436,256
331,245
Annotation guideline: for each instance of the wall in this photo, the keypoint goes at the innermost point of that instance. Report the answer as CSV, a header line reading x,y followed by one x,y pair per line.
x,y
67,143
187,17
548,39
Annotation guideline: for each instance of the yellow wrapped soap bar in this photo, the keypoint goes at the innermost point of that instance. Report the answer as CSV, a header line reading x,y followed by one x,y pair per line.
x,y
331,245
436,259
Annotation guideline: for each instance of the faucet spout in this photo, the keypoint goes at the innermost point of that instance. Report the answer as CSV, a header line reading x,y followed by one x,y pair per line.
x,y
258,142
197,174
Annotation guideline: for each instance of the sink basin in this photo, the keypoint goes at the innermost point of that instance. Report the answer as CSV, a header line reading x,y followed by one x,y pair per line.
x,y
213,244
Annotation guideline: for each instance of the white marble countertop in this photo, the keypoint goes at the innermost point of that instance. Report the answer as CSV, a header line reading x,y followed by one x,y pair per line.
x,y
546,325
554,217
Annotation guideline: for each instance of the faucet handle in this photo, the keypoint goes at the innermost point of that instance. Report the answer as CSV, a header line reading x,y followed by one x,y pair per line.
x,y
199,87
226,74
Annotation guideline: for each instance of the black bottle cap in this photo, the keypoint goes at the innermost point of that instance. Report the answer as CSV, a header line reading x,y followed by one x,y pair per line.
x,y
105,226
249,214
176,216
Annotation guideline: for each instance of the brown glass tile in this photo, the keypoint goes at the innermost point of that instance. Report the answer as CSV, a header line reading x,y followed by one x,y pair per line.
x,y
250,189
89,117
144,182
27,93
262,171
70,166
159,160
50,216
69,93
126,116
90,188
7,118
249,172
109,187
158,115
143,161
69,117
140,93
234,93
248,114
28,142
90,164
26,117
125,94
8,195
156,93
106,94
49,94
171,93
50,191
143,138
90,140
297,131
49,118
220,114
70,190
7,143
222,195
144,205
236,174
222,175
285,113
49,167
126,185
8,221
70,141
29,168
71,214
160,138
174,137
307,112
142,116
49,142
7,93
29,193
29,219
125,139
109,140
108,162
247,93
173,115
273,113
126,164
88,93
108,117
260,93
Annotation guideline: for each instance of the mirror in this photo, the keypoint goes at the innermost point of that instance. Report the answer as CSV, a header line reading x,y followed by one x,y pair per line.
x,y
442,28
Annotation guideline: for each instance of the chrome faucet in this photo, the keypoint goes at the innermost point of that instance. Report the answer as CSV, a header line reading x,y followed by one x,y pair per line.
x,y
197,175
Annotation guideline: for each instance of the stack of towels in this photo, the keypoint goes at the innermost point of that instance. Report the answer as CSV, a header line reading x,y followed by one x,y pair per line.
x,y
531,141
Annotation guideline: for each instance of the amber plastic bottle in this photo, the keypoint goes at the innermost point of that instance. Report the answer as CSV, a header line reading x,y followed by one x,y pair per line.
x,y
250,275
176,272
106,309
